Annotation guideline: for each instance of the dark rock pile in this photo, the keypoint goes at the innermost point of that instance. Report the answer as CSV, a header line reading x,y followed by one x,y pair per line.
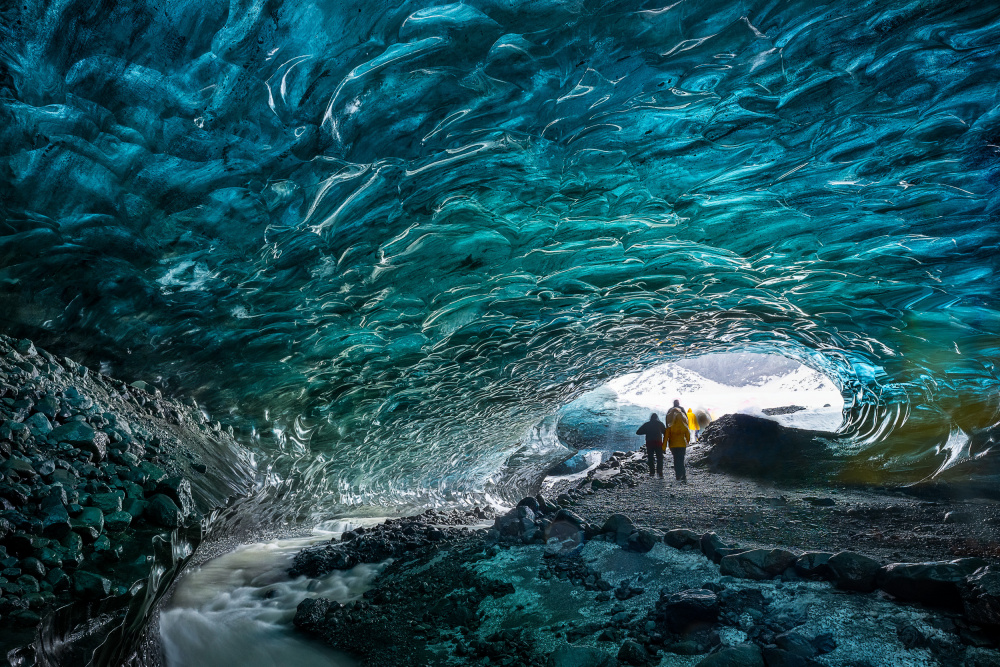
x,y
398,621
90,469
428,605
746,445
392,539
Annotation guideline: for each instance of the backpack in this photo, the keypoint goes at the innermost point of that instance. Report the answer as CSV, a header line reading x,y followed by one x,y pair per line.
x,y
679,425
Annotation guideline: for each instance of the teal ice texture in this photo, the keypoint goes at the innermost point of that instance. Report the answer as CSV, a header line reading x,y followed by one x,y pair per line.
x,y
392,239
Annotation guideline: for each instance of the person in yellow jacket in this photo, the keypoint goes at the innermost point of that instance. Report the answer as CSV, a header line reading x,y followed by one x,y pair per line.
x,y
678,436
693,424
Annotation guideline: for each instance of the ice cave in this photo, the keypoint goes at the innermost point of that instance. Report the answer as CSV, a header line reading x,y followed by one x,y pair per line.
x,y
331,330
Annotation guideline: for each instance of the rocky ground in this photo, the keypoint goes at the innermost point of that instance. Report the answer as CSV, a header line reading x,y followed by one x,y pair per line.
x,y
91,470
623,569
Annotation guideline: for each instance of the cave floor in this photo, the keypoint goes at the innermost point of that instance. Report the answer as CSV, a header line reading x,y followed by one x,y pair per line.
x,y
890,525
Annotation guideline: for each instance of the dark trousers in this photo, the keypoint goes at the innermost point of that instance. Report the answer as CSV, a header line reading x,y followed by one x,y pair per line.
x,y
654,453
678,453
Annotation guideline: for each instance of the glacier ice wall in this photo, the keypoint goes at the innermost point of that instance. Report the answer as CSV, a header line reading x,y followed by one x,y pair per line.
x,y
395,236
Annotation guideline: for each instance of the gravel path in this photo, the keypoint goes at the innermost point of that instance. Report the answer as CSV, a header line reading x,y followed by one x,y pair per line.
x,y
887,524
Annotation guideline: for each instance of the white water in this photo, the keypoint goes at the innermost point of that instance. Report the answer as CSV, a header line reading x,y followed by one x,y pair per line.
x,y
236,610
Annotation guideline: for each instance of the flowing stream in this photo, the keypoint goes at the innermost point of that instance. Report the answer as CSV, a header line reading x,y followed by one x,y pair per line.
x,y
237,609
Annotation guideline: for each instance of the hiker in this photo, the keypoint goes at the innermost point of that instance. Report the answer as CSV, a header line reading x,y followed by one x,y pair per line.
x,y
693,424
654,431
678,435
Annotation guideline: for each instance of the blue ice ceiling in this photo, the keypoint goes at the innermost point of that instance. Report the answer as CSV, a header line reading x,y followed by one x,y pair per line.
x,y
406,233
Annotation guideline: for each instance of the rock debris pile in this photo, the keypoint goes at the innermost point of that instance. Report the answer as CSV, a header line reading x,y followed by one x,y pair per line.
x,y
91,468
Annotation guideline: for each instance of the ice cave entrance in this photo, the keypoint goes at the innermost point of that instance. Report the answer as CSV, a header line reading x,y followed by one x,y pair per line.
x,y
772,386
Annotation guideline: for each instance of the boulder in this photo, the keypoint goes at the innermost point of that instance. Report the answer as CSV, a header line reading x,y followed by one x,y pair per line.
x,y
570,517
934,583
850,571
163,511
83,436
744,655
713,547
177,489
39,424
516,522
981,596
749,445
633,653
813,565
685,611
644,540
117,521
757,564
108,503
619,527
530,503
89,524
90,586
682,538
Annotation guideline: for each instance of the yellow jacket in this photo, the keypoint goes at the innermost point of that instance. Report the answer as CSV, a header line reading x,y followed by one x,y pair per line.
x,y
692,420
677,440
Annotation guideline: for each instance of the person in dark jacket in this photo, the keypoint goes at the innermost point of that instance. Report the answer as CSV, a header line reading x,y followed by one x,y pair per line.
x,y
653,430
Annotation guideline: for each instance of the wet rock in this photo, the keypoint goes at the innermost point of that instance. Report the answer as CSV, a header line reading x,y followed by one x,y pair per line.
x,y
19,467
757,564
820,502
81,435
163,511
959,517
682,538
33,567
116,522
744,655
850,571
931,583
108,503
814,565
312,612
177,489
39,424
633,653
90,586
981,596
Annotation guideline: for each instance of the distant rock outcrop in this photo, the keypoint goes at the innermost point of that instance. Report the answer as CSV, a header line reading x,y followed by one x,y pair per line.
x,y
753,446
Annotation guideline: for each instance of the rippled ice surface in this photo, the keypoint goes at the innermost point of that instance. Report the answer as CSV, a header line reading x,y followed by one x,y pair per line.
x,y
389,239
236,610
